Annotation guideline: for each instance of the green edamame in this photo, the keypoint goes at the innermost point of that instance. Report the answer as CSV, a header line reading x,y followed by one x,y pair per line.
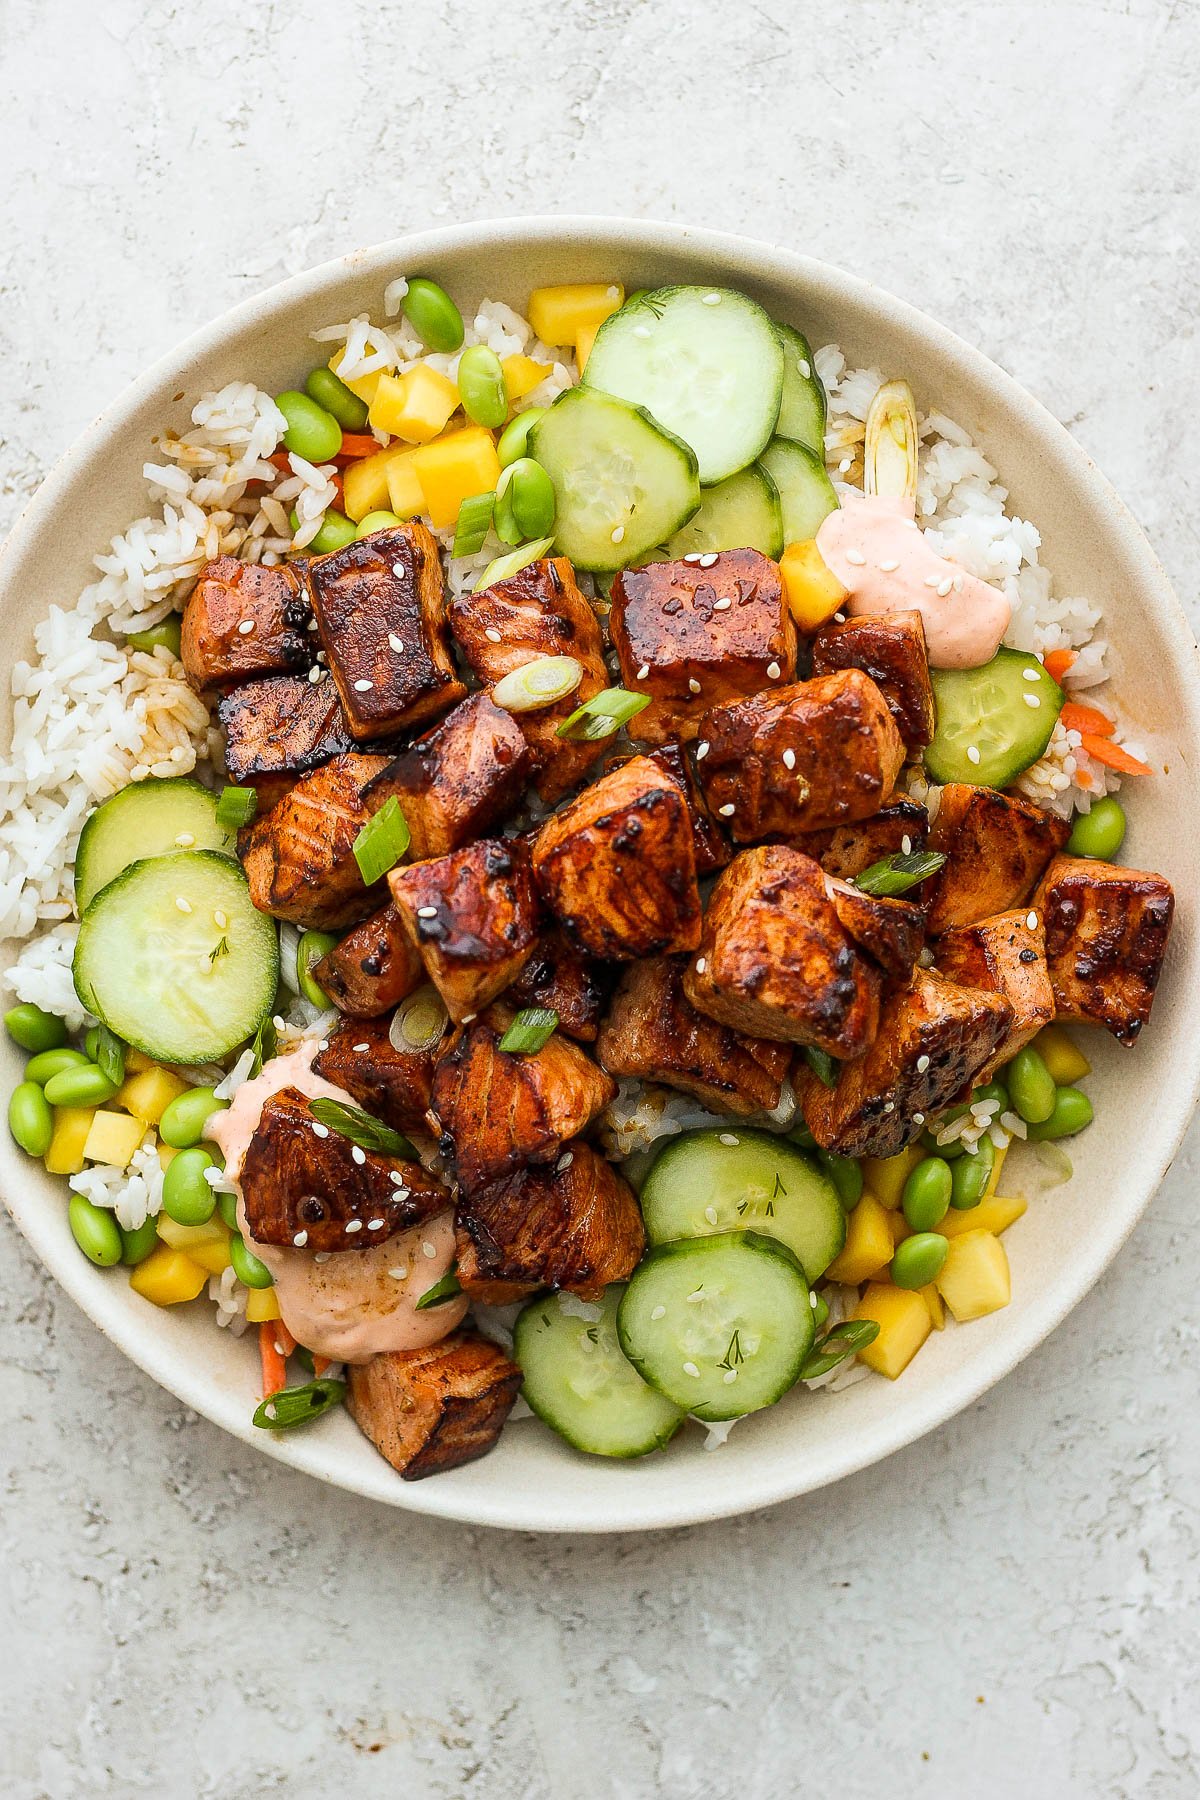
x,y
165,636
333,396
33,1029
246,1266
136,1245
377,521
186,1196
95,1231
481,386
529,493
926,1197
991,1090
514,439
53,1062
970,1176
1099,833
1031,1086
311,432
801,1136
820,1311
919,1260
433,315
86,1086
336,532
846,1175
184,1119
312,947
1072,1112
227,1207
30,1119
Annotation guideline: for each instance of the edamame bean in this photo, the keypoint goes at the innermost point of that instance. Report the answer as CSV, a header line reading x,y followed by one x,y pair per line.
x,y
1072,1113
919,1259
246,1266
137,1244
336,532
433,315
184,1119
947,1152
52,1062
801,1136
820,1311
311,432
846,1175
312,947
1098,833
481,387
991,1090
95,1231
186,1196
29,1118
334,397
926,1197
528,493
227,1207
514,439
1031,1086
34,1029
86,1086
970,1176
165,636
377,521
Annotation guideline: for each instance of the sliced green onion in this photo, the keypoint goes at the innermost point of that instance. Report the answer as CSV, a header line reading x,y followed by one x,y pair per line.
x,y
312,947
381,842
264,1044
822,1065
844,1340
513,563
473,524
532,1027
538,683
890,442
441,1291
419,1022
298,1405
603,715
109,1055
351,1122
896,874
236,807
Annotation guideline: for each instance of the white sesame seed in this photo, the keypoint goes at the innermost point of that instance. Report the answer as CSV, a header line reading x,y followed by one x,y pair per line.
x,y
889,565
803,367
789,759
322,1256
400,1272
918,1118
727,811
246,627
277,1022
643,671
729,1377
394,643
491,634
617,534
845,466
723,604
906,845
972,754
1031,699
695,1297
710,299
693,556
427,912
353,1225
856,557
564,1162
321,1131
467,1018
957,584
889,1106
363,687
311,626
314,675
182,905
399,570
702,750
943,587
708,559
300,1239
1031,674
428,1249
658,1312
375,1224
689,1368
220,919
710,1213
1031,920
931,581
185,840
271,1410
727,1137
922,1064
641,331
701,965
693,685
359,1154
359,1049
773,671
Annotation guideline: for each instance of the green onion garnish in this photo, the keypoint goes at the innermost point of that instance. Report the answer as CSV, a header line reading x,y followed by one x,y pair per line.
x,y
440,1292
473,524
264,1044
351,1122
532,1027
844,1340
896,874
602,715
513,563
542,682
110,1055
382,842
298,1405
236,807
822,1065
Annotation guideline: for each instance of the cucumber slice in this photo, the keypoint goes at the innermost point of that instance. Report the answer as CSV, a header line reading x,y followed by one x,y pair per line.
x,y
720,1325
711,1181
707,363
579,1382
183,983
621,484
989,710
148,818
740,513
804,408
806,494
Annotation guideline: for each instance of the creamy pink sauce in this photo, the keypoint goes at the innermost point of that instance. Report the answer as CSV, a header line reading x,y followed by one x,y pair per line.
x,y
885,562
354,1303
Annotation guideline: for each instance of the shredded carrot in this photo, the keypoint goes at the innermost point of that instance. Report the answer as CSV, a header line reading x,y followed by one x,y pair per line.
x,y
284,1338
274,1363
280,461
1058,662
1105,751
356,444
320,1364
1086,718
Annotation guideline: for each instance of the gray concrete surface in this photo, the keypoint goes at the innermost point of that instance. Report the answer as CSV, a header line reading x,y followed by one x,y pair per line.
x,y
1011,1607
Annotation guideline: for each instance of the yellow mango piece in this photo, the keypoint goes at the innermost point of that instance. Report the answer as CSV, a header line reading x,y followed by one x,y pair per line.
x,y
261,1306
994,1178
904,1324
810,587
71,1127
583,345
885,1176
137,1062
559,314
416,406
168,1277
365,485
900,1227
187,1237
148,1093
213,1257
937,1309
995,1214
522,375
975,1279
1061,1055
362,385
868,1246
406,498
166,1155
113,1137
459,465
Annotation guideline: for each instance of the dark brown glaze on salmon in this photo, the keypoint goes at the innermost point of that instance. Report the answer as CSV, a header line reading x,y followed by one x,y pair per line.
x,y
244,620
473,917
299,858
900,827
278,729
1106,939
392,1085
373,968
1008,955
560,978
890,648
458,780
435,1409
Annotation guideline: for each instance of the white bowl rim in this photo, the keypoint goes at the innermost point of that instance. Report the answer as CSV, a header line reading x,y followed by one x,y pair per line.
x,y
983,1368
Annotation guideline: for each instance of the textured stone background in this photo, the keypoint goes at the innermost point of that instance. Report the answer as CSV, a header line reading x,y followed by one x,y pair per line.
x,y
1008,1608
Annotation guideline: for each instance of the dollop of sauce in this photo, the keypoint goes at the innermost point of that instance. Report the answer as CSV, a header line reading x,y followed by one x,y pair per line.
x,y
883,559
352,1304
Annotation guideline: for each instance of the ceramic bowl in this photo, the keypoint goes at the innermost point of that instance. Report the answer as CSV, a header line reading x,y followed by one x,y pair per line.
x,y
1143,1098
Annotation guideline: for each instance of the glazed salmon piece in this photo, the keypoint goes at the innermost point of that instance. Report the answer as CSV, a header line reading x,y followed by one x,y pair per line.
x,y
244,620
891,931
373,968
890,648
996,847
1007,955
900,827
435,1409
278,729
1106,937
560,978
458,780
473,918
391,1084
299,857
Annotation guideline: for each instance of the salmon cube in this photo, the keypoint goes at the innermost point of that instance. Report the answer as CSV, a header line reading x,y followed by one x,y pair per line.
x,y
244,620
459,780
1008,956
434,1409
473,917
890,648
299,857
392,1083
996,846
373,968
1106,938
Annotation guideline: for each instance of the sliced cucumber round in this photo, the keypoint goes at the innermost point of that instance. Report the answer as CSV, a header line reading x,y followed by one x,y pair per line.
x,y
622,484
148,818
578,1380
741,513
707,363
806,494
720,1325
735,1180
175,959
804,408
990,711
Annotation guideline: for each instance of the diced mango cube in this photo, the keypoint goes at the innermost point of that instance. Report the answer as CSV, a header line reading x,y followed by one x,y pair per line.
x,y
71,1127
213,1257
148,1093
362,385
975,1279
1061,1055
994,1177
522,375
261,1306
459,465
137,1062
885,1176
810,587
187,1237
559,314
113,1137
406,496
415,406
868,1246
995,1214
365,485
166,1155
168,1277
937,1309
900,1226
904,1324
584,340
